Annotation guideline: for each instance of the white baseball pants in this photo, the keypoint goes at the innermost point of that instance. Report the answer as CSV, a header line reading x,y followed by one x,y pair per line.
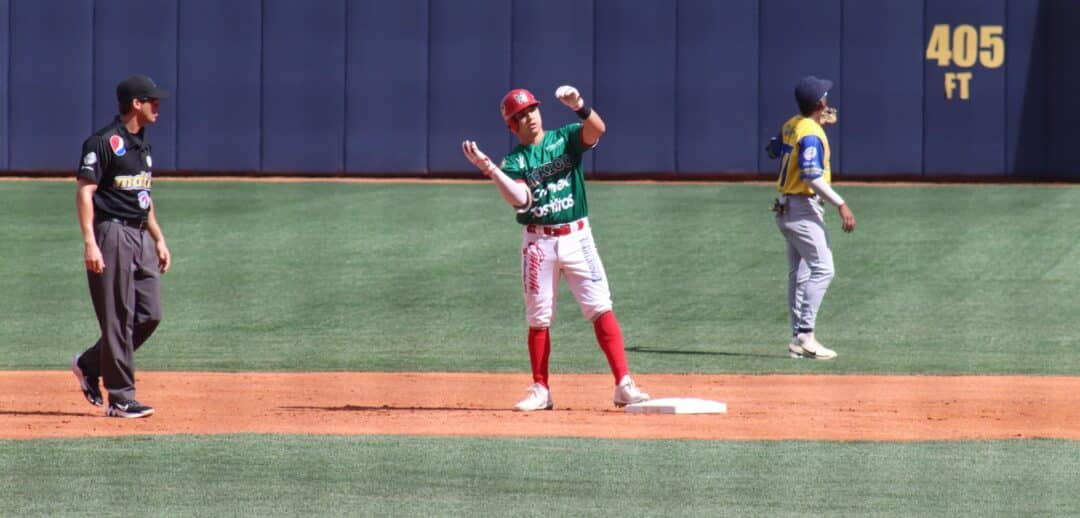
x,y
545,258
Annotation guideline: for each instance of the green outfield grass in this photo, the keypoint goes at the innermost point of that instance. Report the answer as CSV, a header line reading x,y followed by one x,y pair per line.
x,y
337,276
321,276
412,476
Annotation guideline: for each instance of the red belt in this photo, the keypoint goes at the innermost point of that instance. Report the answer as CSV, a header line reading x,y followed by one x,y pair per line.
x,y
556,230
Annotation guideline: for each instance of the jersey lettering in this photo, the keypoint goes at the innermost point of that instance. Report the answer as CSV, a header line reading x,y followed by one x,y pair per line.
x,y
554,206
133,182
552,188
560,165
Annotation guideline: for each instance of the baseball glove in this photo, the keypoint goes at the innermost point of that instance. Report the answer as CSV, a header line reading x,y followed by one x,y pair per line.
x,y
829,116
774,148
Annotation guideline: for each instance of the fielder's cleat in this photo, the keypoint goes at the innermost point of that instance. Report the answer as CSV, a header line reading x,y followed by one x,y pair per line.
x,y
810,348
794,349
88,384
538,398
128,408
627,393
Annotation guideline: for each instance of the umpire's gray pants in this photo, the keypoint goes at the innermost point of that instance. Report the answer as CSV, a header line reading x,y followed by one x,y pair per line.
x,y
127,300
810,261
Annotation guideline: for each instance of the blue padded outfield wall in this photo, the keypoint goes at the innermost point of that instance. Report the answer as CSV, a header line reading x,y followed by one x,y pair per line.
x,y
688,88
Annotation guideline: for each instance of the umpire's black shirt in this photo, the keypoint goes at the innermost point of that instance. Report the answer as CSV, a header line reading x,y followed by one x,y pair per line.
x,y
119,163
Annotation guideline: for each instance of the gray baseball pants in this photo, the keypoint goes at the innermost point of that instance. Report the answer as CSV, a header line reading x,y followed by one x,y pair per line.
x,y
127,301
810,261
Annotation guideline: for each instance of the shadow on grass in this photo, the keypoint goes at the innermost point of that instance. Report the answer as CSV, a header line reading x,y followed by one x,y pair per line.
x,y
656,350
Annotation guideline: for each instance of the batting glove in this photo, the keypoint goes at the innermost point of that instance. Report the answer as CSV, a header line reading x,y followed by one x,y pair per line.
x,y
570,96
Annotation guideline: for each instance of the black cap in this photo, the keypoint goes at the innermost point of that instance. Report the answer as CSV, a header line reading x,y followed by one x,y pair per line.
x,y
810,90
138,87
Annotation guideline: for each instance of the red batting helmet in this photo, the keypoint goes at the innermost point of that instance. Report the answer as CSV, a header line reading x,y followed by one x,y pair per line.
x,y
513,102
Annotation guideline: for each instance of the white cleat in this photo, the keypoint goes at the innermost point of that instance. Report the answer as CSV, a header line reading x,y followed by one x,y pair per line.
x,y
538,398
805,345
627,393
795,350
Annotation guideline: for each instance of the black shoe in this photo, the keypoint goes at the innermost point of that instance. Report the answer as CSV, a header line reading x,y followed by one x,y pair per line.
x,y
88,384
128,408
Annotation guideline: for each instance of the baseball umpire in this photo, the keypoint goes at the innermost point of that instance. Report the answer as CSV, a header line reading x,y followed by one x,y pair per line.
x,y
125,251
803,184
543,179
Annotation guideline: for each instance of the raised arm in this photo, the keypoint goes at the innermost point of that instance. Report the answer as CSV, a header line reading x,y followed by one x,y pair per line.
x,y
515,192
592,126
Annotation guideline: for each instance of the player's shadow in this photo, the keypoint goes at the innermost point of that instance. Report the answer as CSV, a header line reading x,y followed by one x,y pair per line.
x,y
683,352
41,413
383,408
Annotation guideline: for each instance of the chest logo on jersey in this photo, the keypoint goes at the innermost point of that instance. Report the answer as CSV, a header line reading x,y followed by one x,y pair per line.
x,y
555,145
116,142
133,182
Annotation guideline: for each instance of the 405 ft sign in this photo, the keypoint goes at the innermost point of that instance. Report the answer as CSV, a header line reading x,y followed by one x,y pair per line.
x,y
963,46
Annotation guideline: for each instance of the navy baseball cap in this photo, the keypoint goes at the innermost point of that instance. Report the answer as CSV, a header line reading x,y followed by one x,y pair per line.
x,y
138,87
810,90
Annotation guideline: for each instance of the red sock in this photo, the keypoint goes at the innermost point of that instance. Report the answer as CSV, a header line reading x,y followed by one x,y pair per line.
x,y
609,336
539,351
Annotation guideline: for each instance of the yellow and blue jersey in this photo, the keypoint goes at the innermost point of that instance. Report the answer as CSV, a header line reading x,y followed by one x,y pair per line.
x,y
804,155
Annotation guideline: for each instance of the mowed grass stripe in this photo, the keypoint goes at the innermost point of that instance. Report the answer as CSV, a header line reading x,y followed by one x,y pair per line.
x,y
425,277
251,475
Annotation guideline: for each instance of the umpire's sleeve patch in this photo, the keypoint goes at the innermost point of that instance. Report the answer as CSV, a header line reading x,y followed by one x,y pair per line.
x,y
93,161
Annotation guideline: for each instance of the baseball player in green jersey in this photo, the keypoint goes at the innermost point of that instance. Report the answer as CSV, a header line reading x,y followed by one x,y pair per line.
x,y
804,180
543,179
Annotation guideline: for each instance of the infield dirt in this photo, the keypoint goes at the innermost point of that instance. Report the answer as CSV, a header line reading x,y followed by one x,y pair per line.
x,y
39,404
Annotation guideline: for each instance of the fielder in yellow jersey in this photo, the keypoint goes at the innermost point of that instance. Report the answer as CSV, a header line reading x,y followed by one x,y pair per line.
x,y
803,150
812,160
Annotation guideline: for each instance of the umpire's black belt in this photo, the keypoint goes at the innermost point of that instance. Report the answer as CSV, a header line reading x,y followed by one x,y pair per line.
x,y
132,222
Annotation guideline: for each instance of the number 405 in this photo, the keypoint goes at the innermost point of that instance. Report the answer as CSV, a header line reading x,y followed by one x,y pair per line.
x,y
965,44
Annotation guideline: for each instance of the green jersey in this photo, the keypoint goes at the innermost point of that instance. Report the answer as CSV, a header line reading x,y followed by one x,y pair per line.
x,y
552,170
